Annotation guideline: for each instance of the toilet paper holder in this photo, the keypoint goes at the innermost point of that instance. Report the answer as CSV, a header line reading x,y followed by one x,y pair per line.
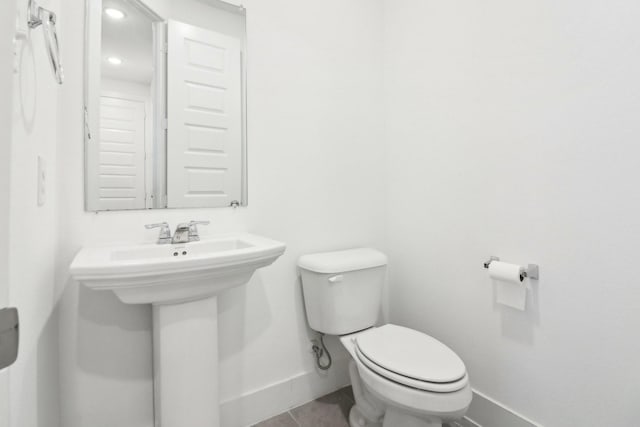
x,y
531,271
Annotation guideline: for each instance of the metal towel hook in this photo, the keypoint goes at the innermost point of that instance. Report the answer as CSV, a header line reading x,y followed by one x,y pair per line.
x,y
41,16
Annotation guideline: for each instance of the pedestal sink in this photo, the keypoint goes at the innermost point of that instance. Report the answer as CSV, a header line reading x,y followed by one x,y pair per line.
x,y
182,282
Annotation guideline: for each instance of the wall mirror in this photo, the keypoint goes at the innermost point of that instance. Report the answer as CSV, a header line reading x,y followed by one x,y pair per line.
x,y
165,104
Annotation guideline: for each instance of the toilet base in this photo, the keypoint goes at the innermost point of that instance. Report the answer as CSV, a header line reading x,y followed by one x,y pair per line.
x,y
392,418
395,405
395,418
356,419
372,411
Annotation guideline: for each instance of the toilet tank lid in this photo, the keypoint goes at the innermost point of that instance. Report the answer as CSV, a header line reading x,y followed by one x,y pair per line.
x,y
342,261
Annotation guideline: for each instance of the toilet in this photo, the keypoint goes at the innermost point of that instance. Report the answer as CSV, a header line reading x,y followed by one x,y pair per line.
x,y
400,377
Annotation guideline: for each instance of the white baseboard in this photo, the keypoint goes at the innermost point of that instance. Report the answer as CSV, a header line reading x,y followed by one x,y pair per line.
x,y
465,422
488,412
274,399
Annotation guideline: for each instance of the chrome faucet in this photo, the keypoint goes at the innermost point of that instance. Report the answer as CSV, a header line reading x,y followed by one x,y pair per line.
x,y
194,236
188,232
181,234
185,232
165,232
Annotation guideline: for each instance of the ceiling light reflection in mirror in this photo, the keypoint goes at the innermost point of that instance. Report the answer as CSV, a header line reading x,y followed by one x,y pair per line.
x,y
130,41
114,60
114,13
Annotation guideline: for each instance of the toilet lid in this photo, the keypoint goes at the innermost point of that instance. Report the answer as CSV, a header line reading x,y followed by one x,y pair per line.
x,y
411,354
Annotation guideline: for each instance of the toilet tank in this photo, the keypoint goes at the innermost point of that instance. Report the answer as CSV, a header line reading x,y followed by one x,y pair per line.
x,y
342,290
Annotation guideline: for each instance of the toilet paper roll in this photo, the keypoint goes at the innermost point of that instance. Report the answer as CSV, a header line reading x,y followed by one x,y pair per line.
x,y
510,289
505,272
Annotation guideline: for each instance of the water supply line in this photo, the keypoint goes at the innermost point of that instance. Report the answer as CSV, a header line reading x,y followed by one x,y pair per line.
x,y
321,350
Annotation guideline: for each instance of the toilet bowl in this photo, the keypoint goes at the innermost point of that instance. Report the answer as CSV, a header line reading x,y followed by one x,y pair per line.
x,y
415,380
400,377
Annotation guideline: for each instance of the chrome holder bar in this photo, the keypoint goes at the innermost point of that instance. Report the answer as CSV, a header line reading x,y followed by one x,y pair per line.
x,y
40,16
532,271
492,258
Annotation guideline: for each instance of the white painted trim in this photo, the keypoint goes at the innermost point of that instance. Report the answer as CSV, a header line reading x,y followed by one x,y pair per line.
x,y
486,411
159,96
274,399
465,422
92,79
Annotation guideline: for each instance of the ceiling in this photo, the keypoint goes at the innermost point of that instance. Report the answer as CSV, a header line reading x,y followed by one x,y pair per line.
x,y
130,39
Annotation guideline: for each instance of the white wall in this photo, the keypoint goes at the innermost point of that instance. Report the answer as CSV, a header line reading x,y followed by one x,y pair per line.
x,y
32,235
316,182
513,131
7,23
7,13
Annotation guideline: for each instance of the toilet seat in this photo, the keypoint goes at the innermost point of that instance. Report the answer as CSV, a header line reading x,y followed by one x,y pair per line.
x,y
411,358
411,382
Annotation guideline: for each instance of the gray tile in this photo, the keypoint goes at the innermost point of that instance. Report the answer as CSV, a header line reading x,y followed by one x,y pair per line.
x,y
282,420
331,410
348,391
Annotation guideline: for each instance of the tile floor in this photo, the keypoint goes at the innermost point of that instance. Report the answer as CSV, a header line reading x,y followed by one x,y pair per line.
x,y
331,410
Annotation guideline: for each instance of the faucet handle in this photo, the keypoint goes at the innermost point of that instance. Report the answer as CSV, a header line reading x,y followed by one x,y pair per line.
x,y
193,229
161,225
199,222
165,232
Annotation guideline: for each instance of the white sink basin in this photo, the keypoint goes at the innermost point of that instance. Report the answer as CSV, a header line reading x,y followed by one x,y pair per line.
x,y
182,282
168,274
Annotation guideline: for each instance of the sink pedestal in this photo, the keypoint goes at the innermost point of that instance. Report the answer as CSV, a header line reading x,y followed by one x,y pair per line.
x,y
185,363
